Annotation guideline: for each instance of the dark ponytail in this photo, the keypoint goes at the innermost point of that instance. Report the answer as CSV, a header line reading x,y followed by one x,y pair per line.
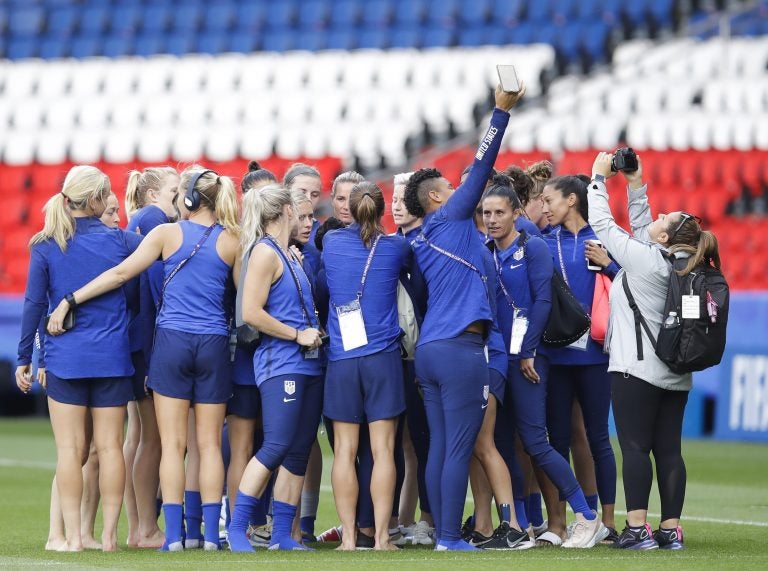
x,y
502,185
568,185
256,176
366,204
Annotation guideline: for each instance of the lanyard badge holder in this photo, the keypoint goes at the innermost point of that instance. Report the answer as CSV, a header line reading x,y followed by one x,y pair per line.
x,y
308,353
519,319
351,323
581,343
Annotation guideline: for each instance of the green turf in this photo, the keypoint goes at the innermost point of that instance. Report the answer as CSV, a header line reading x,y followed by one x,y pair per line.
x,y
726,481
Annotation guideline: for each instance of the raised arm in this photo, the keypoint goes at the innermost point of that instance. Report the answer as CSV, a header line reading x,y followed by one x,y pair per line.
x,y
463,202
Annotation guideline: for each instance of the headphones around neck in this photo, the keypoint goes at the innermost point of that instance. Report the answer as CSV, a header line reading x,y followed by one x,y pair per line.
x,y
193,199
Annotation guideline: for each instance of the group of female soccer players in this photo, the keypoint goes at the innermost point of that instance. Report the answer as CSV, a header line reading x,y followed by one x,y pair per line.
x,y
268,324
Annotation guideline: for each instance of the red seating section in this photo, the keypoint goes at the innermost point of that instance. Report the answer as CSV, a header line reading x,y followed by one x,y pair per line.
x,y
702,183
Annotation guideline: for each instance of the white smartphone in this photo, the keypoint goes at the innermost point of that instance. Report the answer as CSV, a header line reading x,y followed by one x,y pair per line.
x,y
590,266
508,78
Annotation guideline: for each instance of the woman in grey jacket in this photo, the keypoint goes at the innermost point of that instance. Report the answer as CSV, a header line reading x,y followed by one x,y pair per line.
x,y
648,399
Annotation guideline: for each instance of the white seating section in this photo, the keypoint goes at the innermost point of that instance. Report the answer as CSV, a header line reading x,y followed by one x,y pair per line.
x,y
365,103
680,95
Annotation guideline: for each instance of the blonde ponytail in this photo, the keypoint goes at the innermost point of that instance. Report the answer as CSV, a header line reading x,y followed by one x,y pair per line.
x,y
259,209
83,184
132,201
226,209
141,182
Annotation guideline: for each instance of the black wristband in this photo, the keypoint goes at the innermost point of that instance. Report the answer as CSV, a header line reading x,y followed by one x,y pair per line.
x,y
70,298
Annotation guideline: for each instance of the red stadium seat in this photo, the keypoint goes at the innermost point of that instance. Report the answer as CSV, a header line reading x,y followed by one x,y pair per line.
x,y
13,178
48,179
13,211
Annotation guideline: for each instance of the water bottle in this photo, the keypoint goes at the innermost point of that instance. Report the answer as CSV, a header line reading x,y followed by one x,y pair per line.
x,y
672,320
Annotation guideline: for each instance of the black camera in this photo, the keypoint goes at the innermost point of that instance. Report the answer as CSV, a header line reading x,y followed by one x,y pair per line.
x,y
624,160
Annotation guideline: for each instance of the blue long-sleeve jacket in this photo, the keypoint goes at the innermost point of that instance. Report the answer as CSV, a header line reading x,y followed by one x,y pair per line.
x,y
497,353
526,273
458,295
582,284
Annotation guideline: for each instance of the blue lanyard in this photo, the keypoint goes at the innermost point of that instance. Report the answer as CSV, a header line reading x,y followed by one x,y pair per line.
x,y
510,301
295,279
456,258
367,267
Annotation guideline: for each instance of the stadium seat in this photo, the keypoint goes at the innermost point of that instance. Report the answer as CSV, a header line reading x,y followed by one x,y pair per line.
x,y
26,21
437,37
409,12
62,21
376,13
124,20
93,20
539,11
219,17
345,14
474,13
442,12
280,15
250,16
372,38
404,37
155,18
21,48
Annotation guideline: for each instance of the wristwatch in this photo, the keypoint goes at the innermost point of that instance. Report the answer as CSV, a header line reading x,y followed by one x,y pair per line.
x,y
599,178
70,298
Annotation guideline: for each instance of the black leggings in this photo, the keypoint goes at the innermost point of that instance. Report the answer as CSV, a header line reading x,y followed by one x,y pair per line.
x,y
650,419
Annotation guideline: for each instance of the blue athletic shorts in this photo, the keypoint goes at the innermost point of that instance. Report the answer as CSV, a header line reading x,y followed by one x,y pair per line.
x,y
497,384
191,367
92,392
365,389
245,401
139,375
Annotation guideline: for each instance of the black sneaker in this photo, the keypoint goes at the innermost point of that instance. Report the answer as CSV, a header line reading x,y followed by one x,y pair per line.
x,y
637,538
478,539
504,537
467,529
669,538
612,538
364,541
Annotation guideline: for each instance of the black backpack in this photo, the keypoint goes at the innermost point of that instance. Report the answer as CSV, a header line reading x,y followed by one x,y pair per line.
x,y
688,345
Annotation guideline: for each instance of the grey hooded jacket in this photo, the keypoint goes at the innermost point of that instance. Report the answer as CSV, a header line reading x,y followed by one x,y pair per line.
x,y
647,273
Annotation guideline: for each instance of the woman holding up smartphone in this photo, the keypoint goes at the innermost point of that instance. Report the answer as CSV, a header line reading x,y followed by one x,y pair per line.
x,y
580,370
277,300
91,367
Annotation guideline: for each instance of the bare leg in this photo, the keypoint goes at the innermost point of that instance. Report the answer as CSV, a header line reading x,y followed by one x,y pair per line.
x,y
56,537
146,476
108,425
172,417
68,422
482,496
90,503
192,477
209,424
409,495
382,434
344,479
132,436
555,508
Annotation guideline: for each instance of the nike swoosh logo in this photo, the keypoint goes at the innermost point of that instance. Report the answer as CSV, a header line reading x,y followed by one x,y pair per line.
x,y
288,400
484,406
513,266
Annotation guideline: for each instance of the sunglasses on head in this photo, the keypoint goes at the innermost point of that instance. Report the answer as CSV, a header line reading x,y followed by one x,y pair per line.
x,y
684,217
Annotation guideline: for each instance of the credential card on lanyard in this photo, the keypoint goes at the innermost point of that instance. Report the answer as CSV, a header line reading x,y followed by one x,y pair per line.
x,y
519,328
351,325
581,343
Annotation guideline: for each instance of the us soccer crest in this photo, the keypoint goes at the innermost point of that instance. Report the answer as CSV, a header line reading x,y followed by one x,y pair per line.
x,y
486,390
518,255
290,387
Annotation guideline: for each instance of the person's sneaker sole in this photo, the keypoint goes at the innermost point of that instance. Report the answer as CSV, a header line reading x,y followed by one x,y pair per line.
x,y
646,545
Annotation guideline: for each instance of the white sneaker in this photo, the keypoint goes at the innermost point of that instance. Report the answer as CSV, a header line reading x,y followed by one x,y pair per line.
x,y
423,534
402,535
585,534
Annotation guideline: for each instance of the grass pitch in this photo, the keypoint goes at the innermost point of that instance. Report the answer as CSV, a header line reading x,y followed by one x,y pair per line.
x,y
725,521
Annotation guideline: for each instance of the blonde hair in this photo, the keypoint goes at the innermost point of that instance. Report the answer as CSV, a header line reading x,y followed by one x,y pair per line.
x,y
261,208
218,192
299,197
346,176
83,184
402,178
139,182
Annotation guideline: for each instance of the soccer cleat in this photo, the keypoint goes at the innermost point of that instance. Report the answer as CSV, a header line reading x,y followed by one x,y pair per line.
x,y
637,538
364,541
477,539
333,534
585,534
504,537
423,534
260,536
669,538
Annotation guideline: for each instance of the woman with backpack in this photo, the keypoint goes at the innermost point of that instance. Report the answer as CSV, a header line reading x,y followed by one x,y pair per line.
x,y
648,397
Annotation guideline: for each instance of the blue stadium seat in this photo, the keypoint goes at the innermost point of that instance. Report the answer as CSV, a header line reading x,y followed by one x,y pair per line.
x,y
372,38
442,12
250,16
437,37
62,21
342,38
242,42
569,39
186,17
54,47
313,13
404,37
19,48
117,46
376,12
474,13
611,10
124,19
409,12
277,41
586,9
564,10
3,20
661,10
309,40
93,20
472,36
345,13
507,11
521,33
179,43
210,42
594,37
219,17
540,10
488,35
155,18
280,15
26,21
546,33
636,11
84,46
148,44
